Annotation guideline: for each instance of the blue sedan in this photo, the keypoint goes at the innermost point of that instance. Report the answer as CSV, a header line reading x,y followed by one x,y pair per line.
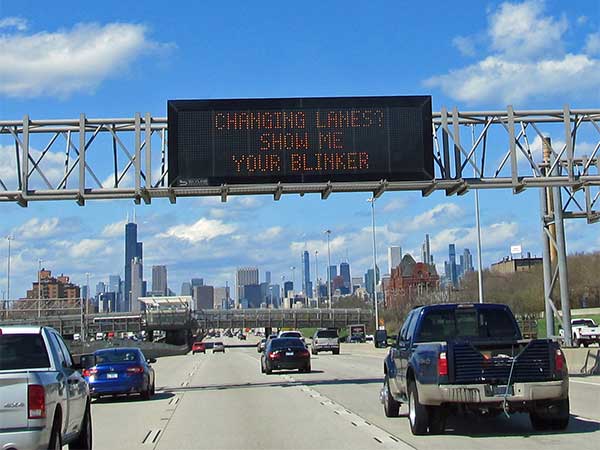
x,y
120,371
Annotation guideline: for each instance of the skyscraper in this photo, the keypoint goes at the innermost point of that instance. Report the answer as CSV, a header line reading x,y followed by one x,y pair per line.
x,y
133,249
204,297
159,280
345,274
186,288
369,280
268,277
197,282
244,276
137,288
306,284
468,261
426,251
394,257
452,269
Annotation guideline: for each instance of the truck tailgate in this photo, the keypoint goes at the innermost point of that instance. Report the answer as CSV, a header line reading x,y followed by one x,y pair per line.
x,y
13,400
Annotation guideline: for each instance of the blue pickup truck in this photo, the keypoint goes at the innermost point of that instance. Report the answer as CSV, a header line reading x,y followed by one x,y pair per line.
x,y
457,358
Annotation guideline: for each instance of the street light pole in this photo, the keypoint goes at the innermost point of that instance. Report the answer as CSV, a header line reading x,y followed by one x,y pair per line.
x,y
9,238
372,201
328,232
317,276
39,302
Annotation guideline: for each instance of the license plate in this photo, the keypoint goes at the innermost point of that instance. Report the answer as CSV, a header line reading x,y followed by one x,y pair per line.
x,y
289,353
502,390
112,375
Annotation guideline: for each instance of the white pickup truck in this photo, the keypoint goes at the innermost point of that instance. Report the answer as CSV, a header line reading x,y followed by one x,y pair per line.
x,y
44,400
585,332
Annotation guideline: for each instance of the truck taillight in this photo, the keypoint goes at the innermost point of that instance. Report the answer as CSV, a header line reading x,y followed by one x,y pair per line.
x,y
36,401
559,360
442,365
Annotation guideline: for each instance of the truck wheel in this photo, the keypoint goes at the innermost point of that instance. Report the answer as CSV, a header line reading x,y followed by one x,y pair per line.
x,y
560,419
314,352
586,344
437,419
336,351
84,440
55,436
417,413
555,416
391,407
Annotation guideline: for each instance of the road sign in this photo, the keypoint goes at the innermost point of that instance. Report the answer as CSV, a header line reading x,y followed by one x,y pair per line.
x,y
299,140
515,249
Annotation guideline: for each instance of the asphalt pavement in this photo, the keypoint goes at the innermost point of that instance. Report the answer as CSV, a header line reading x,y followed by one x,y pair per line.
x,y
222,401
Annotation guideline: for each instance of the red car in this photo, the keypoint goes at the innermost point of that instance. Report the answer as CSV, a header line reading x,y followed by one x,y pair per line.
x,y
198,347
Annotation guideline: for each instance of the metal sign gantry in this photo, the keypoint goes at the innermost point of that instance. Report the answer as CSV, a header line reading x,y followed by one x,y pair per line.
x,y
98,159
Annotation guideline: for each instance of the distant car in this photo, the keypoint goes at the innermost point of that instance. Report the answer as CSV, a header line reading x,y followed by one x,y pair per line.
x,y
355,339
261,345
99,336
285,353
242,337
326,340
120,371
218,347
291,334
380,339
198,347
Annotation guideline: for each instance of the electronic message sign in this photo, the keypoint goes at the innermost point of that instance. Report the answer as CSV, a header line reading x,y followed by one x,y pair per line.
x,y
299,140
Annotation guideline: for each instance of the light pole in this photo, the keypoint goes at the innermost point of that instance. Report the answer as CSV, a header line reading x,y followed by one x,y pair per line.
x,y
8,238
317,276
328,232
293,269
372,201
39,302
478,225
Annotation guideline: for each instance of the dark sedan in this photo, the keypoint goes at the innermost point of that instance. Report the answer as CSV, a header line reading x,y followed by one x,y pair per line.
x,y
120,371
285,353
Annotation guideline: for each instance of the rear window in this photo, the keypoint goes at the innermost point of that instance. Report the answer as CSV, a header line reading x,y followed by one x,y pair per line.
x,y
286,343
328,334
584,323
117,357
23,351
290,334
448,324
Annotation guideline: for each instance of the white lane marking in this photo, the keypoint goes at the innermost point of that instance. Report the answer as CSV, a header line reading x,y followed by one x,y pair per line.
x,y
151,437
378,434
584,382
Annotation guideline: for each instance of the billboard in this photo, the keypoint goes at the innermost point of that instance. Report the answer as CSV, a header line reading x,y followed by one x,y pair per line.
x,y
299,140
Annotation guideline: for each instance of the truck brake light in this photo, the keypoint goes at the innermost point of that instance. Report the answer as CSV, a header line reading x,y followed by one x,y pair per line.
x,y
559,360
442,365
36,401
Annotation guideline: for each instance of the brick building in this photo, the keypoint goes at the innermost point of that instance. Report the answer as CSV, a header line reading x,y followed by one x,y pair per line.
x,y
409,279
53,287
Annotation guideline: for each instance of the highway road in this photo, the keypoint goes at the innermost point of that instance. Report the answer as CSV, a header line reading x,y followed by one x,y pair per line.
x,y
222,401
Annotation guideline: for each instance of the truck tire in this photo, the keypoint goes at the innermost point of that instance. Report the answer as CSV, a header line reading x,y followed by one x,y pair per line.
x,y
84,440
391,407
55,435
555,416
336,351
417,414
437,419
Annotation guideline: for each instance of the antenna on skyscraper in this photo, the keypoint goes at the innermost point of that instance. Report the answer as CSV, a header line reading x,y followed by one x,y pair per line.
x,y
134,215
127,217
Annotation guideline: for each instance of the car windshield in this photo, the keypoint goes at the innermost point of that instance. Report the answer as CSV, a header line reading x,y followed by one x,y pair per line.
x,y
290,334
444,324
331,334
286,343
117,356
23,351
584,323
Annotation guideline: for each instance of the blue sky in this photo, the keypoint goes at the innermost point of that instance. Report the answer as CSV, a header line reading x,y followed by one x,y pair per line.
x,y
111,60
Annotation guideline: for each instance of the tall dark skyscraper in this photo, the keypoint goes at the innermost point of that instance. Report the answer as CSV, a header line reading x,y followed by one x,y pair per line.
x,y
306,284
159,280
452,265
133,249
345,274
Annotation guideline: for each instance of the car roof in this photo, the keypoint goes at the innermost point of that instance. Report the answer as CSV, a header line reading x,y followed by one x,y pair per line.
x,y
21,329
117,350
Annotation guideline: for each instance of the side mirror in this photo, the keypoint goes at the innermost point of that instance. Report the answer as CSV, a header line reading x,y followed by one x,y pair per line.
x,y
151,360
391,342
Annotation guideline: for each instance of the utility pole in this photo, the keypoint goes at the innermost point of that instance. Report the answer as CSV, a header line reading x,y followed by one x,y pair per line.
x,y
372,201
9,238
317,276
328,232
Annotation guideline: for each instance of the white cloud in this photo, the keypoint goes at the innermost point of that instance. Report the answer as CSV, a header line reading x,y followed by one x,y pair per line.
x,y
14,22
86,248
202,230
67,61
436,216
592,44
394,205
526,59
465,45
271,233
115,229
36,229
522,31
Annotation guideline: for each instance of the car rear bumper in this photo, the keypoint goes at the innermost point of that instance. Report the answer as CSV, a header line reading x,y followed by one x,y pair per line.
x,y
289,364
27,438
112,388
326,348
433,394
